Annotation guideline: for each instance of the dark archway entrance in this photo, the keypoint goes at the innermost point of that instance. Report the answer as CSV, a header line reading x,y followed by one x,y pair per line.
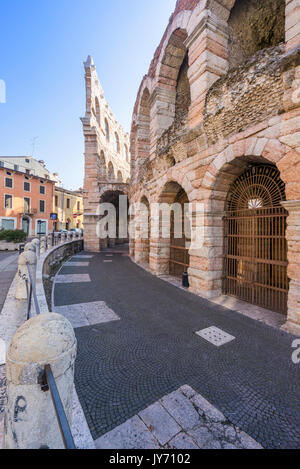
x,y
255,247
113,197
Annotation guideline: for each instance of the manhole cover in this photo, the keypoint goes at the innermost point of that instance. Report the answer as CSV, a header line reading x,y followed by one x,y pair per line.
x,y
215,336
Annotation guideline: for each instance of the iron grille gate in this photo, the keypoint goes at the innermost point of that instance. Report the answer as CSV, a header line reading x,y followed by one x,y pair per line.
x,y
255,267
179,246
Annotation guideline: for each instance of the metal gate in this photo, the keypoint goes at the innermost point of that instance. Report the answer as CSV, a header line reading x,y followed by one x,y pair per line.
x,y
179,249
255,247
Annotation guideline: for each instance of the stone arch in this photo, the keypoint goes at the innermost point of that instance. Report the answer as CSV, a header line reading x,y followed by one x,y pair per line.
x,y
97,110
120,176
170,246
172,72
142,240
111,195
107,132
180,178
117,143
143,129
233,160
221,174
102,166
111,176
126,153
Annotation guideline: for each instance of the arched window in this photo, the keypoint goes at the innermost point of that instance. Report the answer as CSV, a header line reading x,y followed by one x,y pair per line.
x,y
97,106
120,176
126,155
117,143
107,130
111,172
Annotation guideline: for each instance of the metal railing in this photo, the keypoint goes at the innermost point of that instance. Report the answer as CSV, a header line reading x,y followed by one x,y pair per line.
x,y
48,381
49,384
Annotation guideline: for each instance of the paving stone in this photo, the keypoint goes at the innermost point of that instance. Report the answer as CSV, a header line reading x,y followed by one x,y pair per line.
x,y
128,365
160,423
202,436
209,410
181,409
187,391
182,441
132,434
248,442
230,434
76,264
87,314
73,278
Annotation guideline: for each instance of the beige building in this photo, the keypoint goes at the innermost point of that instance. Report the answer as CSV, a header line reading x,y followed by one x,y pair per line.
x,y
68,205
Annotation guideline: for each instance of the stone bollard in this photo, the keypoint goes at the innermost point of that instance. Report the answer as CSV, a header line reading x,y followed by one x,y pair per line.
x,y
30,419
30,258
37,244
30,247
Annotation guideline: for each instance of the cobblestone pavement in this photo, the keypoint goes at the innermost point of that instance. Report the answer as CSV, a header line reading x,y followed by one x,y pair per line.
x,y
125,366
181,420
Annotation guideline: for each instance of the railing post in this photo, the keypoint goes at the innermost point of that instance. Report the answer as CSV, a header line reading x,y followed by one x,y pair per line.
x,y
30,418
26,258
43,245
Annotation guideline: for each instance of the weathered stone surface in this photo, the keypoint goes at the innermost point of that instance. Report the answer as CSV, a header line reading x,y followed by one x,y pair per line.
x,y
162,425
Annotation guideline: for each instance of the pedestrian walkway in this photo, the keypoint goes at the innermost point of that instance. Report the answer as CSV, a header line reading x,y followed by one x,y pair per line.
x,y
166,339
8,269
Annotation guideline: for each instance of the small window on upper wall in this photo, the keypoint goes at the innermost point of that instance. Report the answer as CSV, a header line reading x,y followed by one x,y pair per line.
x,y
8,201
9,183
107,130
56,201
78,206
68,203
42,190
27,186
42,206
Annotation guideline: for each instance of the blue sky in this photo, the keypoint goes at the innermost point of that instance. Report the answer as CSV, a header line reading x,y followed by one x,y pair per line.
x,y
43,44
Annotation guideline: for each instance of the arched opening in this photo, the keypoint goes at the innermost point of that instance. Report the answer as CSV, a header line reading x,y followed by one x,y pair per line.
x,y
255,246
107,130
102,167
120,177
143,137
97,106
121,221
117,143
254,25
111,172
175,229
126,155
183,95
173,76
142,251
